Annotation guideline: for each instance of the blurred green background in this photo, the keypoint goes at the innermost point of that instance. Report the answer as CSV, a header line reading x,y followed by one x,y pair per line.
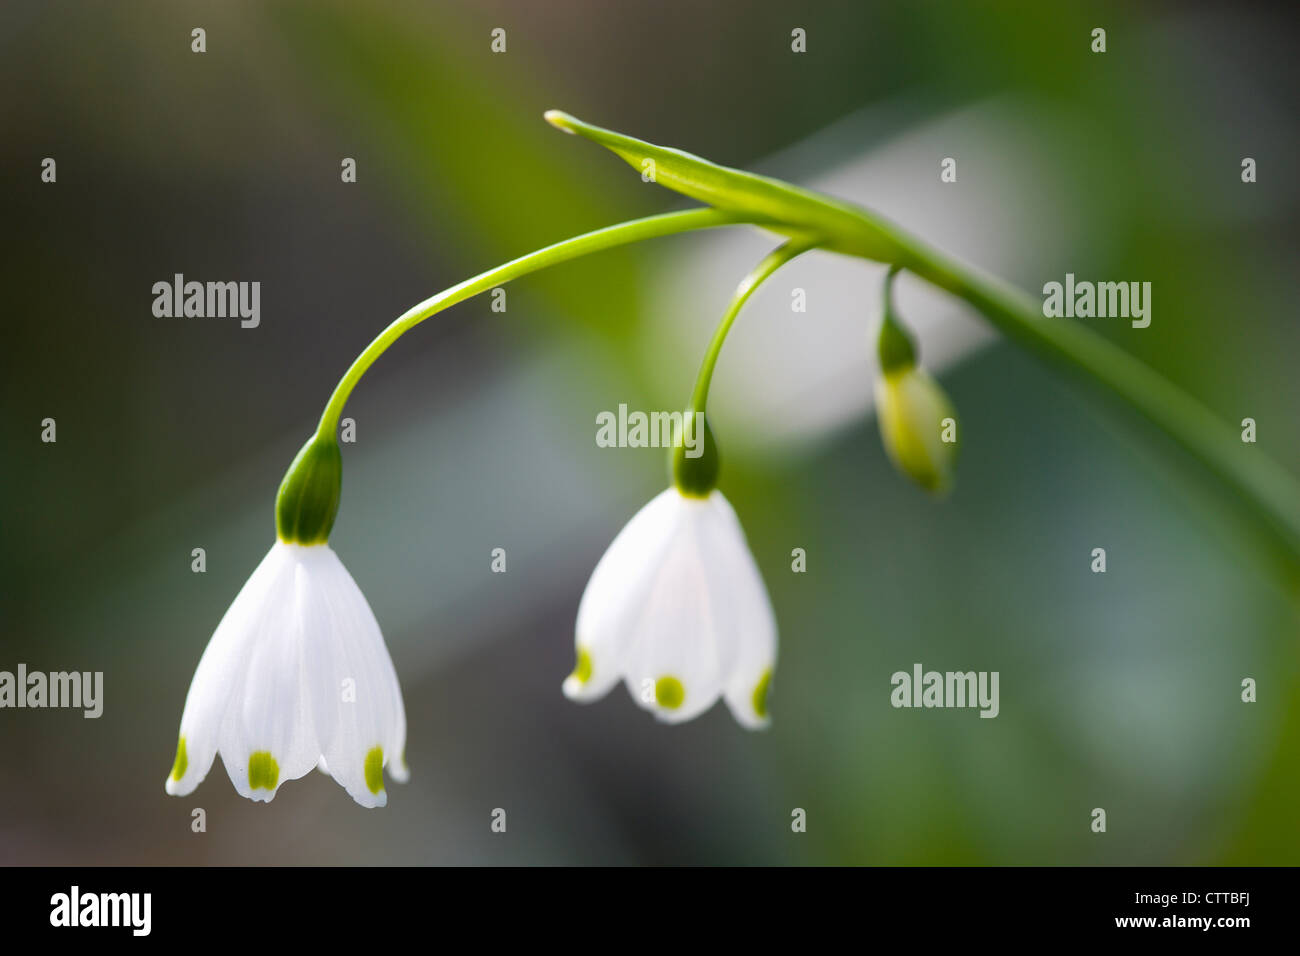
x,y
476,431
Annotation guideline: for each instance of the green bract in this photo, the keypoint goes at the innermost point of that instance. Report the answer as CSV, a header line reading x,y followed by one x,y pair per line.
x,y
776,205
308,499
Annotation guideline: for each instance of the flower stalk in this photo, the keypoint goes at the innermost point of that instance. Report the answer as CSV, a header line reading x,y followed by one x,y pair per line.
x,y
895,347
697,476
1267,492
621,234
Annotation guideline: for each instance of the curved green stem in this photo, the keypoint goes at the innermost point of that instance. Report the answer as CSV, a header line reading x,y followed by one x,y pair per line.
x,y
606,238
762,272
894,345
1269,491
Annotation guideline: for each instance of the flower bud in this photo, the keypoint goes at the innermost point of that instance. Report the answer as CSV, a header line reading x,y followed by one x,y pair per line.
x,y
918,427
917,421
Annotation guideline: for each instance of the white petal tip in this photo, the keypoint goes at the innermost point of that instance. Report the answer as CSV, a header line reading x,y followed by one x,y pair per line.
x,y
185,785
584,691
371,801
752,721
573,688
672,716
749,703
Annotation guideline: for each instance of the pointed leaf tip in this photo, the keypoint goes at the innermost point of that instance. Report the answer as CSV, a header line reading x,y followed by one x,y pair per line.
x,y
561,121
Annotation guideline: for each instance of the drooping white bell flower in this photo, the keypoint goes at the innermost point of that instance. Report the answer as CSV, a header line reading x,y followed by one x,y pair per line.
x,y
677,609
295,677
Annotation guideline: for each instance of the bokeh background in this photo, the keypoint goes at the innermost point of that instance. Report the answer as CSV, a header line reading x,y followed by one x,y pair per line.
x,y
476,431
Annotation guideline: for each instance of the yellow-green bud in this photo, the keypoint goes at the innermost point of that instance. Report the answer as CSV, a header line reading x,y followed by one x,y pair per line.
x,y
917,422
918,426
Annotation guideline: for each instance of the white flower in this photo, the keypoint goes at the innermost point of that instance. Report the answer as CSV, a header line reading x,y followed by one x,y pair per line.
x,y
296,676
678,610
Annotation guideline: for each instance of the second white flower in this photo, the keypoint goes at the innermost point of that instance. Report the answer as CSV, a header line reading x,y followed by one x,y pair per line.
x,y
677,609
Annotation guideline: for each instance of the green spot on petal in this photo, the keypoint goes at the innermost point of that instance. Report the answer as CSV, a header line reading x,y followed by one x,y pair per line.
x,y
375,769
178,768
669,692
263,771
582,669
760,693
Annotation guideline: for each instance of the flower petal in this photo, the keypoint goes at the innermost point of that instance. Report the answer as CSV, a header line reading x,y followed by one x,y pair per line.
x,y
268,734
750,625
617,593
673,663
216,676
356,690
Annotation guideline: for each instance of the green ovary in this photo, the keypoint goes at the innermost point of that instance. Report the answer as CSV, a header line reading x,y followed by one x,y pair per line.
x,y
669,692
263,771
375,769
182,761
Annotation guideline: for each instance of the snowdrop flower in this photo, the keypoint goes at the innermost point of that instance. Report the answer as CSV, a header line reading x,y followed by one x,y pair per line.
x,y
677,609
296,675
917,423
